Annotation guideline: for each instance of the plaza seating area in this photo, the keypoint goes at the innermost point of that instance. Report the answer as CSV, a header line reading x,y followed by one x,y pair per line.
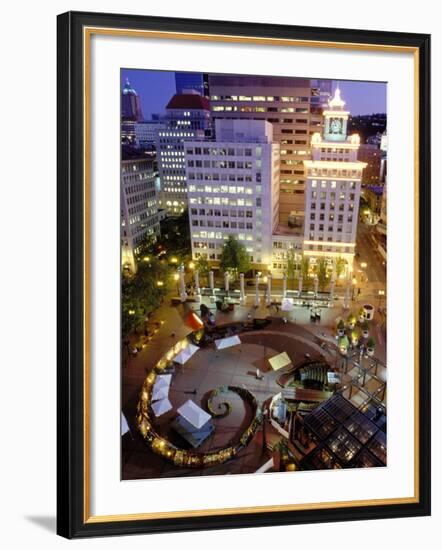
x,y
188,423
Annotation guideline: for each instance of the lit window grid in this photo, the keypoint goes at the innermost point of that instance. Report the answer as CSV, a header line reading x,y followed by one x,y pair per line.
x,y
210,240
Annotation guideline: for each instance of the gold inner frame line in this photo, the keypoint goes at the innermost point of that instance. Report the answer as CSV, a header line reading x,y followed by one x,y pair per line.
x,y
88,32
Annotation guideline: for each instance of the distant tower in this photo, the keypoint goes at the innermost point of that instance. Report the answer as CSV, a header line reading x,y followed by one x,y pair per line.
x,y
333,189
130,112
130,103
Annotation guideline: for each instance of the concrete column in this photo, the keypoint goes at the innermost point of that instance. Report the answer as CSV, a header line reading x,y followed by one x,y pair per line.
x,y
242,298
197,283
300,285
257,291
315,285
332,289
284,285
211,281
347,295
226,282
183,294
269,290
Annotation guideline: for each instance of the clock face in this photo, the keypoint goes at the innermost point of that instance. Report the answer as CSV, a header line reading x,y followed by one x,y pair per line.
x,y
335,126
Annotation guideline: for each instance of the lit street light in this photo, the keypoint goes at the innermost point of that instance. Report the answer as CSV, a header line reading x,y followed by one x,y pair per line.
x,y
176,278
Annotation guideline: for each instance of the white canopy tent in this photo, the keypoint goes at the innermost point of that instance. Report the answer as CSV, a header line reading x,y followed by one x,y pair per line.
x,y
161,407
227,342
280,361
194,414
163,381
160,393
124,425
184,355
287,304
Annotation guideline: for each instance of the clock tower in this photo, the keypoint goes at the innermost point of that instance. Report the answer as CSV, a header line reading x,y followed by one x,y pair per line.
x,y
332,190
335,119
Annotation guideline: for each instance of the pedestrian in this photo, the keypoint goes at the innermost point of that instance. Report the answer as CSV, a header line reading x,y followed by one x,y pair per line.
x,y
173,334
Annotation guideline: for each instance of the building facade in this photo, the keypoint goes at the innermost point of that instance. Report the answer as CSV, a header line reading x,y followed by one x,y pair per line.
x,y
371,154
292,106
139,209
146,132
187,118
233,189
333,189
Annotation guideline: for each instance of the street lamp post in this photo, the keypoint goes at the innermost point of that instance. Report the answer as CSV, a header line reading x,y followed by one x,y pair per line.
x,y
284,285
332,288
176,278
257,290
242,299
183,294
197,283
226,282
269,290
211,282
316,283
347,295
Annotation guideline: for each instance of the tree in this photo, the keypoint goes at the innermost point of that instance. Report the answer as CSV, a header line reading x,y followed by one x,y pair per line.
x,y
142,293
322,274
175,236
234,257
305,268
340,266
202,266
371,344
292,264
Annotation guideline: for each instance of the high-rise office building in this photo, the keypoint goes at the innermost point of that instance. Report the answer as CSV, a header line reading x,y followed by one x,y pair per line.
x,y
188,82
290,105
333,189
139,209
131,112
187,117
233,189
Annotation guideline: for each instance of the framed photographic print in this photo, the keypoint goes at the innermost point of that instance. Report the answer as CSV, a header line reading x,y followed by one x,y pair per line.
x,y
243,272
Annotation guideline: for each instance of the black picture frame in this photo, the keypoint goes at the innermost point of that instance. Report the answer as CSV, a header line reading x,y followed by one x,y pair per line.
x,y
71,520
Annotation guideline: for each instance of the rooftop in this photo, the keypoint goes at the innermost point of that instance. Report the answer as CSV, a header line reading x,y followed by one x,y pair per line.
x,y
285,230
189,101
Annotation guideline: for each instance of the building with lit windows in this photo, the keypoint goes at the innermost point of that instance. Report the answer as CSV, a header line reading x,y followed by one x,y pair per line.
x,y
233,189
292,106
187,118
333,189
131,112
139,209
371,154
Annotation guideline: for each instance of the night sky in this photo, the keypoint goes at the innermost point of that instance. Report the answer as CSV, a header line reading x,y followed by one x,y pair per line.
x,y
155,88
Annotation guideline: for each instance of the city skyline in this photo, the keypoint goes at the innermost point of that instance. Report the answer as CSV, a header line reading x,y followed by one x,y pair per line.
x,y
156,88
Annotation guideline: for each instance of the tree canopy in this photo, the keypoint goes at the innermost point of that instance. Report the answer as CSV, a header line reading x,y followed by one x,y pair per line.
x,y
234,257
322,273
